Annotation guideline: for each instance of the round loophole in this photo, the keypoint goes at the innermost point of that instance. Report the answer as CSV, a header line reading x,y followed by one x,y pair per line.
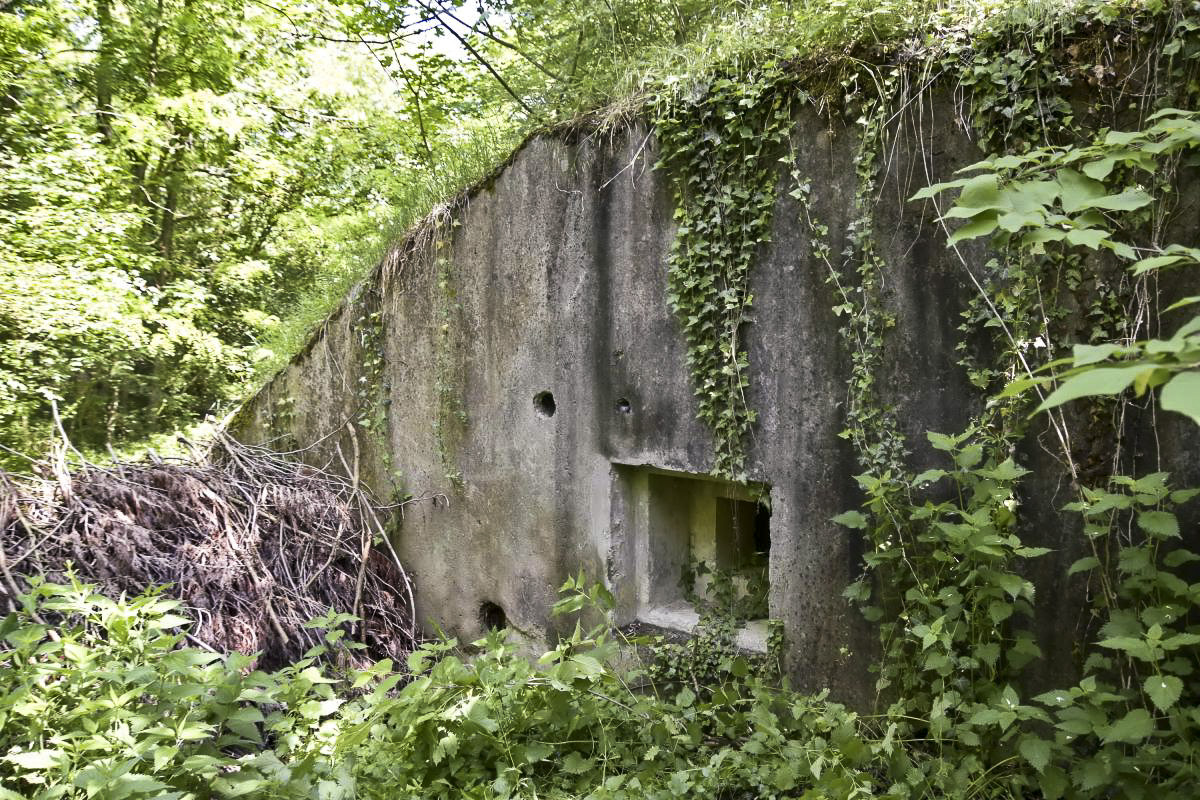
x,y
492,616
624,406
543,404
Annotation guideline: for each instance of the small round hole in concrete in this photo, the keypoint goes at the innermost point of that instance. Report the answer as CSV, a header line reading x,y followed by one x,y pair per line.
x,y
543,404
624,406
492,616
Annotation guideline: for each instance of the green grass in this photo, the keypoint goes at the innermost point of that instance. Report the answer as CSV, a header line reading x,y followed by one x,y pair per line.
x,y
358,243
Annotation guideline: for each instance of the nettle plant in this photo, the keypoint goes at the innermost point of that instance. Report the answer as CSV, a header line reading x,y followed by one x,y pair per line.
x,y
1096,197
577,724
952,609
1133,721
100,698
945,576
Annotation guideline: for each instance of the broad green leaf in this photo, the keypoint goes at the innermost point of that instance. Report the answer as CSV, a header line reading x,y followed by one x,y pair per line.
x,y
851,519
1128,200
1154,262
575,764
941,441
1138,648
1177,558
1024,384
981,225
1187,301
1053,782
1132,728
1092,382
969,456
1099,169
1180,640
1168,112
928,476
1007,470
1031,196
537,751
936,189
1083,565
36,759
1037,237
1014,221
1162,524
1182,395
1163,690
981,192
1077,190
1087,237
1086,354
1035,750
1091,773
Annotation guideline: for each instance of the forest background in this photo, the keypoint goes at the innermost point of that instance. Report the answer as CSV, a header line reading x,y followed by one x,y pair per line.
x,y
188,186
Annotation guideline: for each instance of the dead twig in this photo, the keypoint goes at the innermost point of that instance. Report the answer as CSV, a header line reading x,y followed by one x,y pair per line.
x,y
256,543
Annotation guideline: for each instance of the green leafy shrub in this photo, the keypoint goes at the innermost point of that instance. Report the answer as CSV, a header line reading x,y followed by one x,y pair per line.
x,y
105,702
1095,197
99,700
576,725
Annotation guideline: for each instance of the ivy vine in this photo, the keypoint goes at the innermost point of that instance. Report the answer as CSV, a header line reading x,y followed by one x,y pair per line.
x,y
451,416
717,142
945,577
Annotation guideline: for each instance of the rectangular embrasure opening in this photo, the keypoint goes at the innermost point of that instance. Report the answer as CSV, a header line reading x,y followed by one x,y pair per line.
x,y
701,544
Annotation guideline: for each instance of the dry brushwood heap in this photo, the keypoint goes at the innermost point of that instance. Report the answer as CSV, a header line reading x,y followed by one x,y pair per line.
x,y
253,542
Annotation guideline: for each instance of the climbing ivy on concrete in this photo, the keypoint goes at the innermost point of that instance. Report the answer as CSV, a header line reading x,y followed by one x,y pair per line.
x,y
718,141
945,579
451,414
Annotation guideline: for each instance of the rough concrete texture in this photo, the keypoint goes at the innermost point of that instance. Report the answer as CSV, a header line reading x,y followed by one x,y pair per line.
x,y
554,280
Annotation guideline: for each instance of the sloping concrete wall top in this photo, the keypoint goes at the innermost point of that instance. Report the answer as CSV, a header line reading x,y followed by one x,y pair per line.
x,y
553,280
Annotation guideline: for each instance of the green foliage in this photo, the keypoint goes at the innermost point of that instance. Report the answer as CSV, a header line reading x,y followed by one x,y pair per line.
x,y
1132,721
157,214
716,140
102,701
952,608
107,704
573,725
186,189
1094,197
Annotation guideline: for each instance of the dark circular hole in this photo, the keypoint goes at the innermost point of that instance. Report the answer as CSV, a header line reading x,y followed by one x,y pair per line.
x,y
543,404
623,406
492,616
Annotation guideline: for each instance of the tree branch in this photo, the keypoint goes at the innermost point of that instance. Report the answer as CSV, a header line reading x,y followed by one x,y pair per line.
x,y
476,55
487,33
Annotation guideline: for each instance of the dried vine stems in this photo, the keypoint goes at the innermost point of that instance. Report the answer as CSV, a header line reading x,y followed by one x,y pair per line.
x,y
255,543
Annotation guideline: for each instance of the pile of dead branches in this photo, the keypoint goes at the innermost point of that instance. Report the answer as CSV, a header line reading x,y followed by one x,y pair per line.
x,y
254,543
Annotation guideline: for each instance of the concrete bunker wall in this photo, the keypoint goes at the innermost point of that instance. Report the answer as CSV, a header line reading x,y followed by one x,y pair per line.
x,y
532,374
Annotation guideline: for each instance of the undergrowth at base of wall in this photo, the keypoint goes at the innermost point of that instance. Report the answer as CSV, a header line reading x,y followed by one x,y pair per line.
x,y
110,704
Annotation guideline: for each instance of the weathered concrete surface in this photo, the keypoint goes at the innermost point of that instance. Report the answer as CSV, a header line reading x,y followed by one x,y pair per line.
x,y
554,280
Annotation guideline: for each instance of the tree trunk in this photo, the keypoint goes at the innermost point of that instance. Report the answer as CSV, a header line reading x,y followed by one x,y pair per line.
x,y
104,70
